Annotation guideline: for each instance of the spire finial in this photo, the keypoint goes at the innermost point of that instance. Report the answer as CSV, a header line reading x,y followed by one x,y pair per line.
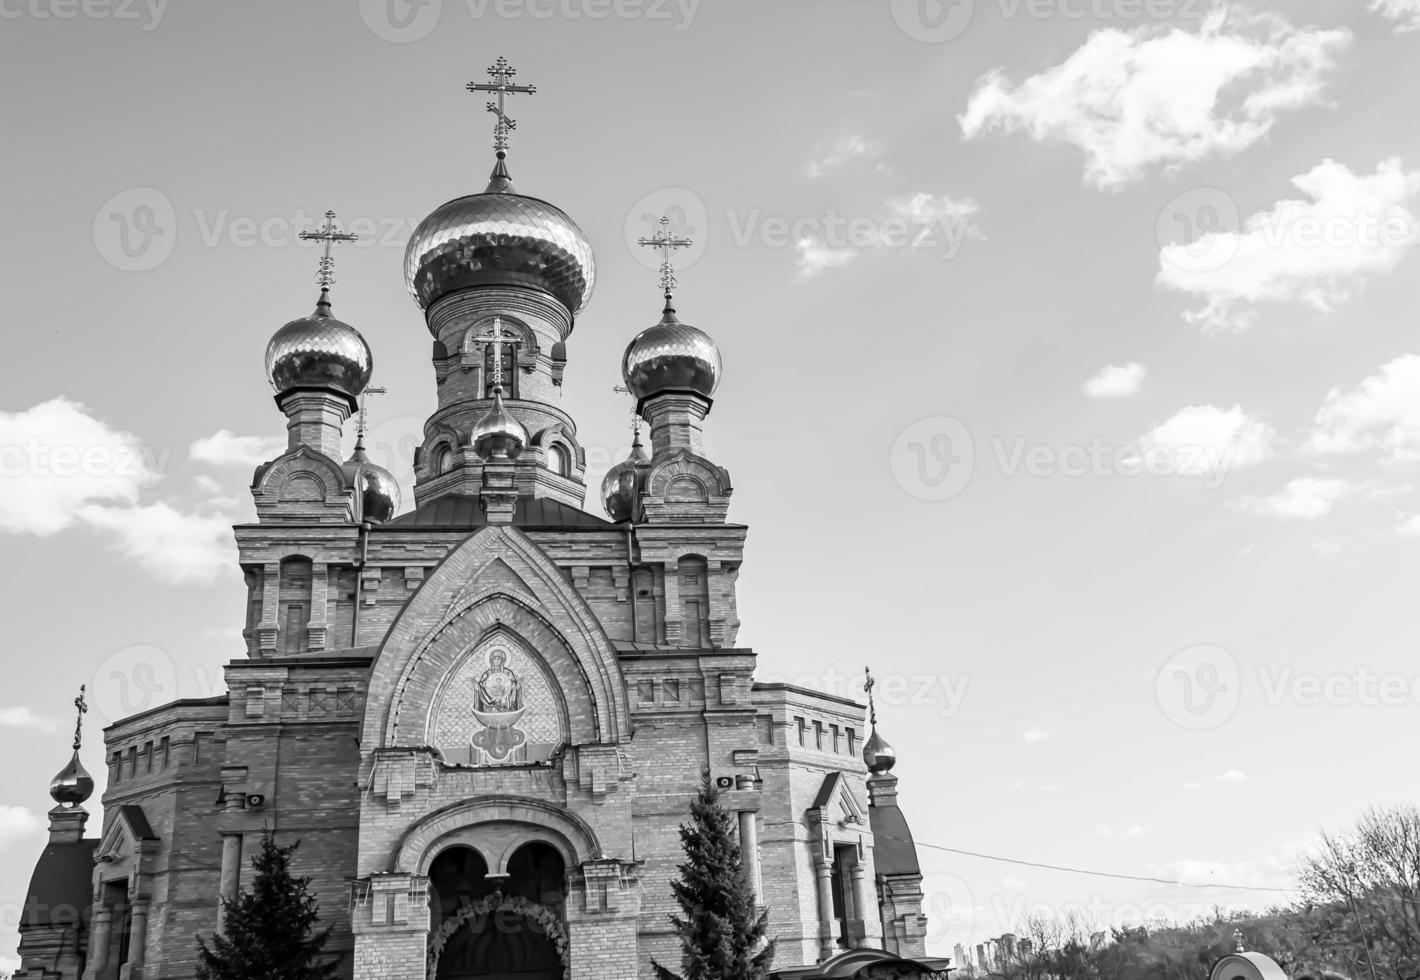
x,y
361,425
868,685
325,272
501,74
81,706
1238,942
666,243
635,419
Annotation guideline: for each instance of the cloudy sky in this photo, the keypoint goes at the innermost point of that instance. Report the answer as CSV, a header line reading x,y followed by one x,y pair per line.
x,y
1070,374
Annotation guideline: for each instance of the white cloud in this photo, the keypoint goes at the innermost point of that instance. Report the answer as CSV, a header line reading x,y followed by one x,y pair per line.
x,y
846,151
23,717
1116,381
16,823
1410,527
1305,498
1034,734
917,222
226,448
1134,101
1406,13
1228,776
55,458
1382,413
1131,831
1318,251
815,256
1204,440
175,547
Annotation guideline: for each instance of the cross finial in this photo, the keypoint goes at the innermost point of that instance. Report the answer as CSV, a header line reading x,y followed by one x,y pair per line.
x,y
361,425
497,338
868,685
325,274
666,243
81,706
501,74
635,419
1238,941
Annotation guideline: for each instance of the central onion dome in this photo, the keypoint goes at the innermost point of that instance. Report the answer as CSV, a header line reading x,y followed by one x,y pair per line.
x,y
499,238
319,351
622,485
377,487
671,356
73,785
498,435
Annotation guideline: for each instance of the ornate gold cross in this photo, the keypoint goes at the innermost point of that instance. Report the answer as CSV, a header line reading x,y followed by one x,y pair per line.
x,y
325,274
666,243
502,85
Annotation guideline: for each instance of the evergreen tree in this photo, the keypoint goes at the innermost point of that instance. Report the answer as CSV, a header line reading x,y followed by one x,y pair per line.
x,y
718,928
269,928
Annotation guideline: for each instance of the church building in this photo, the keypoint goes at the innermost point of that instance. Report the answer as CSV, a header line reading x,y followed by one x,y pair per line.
x,y
494,705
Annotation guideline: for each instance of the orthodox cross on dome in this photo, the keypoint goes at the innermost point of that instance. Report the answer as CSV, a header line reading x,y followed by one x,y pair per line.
x,y
666,243
82,706
325,274
502,85
497,338
360,423
635,419
868,685
1238,941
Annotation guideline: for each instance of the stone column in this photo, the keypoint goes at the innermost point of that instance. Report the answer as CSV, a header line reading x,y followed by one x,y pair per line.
x,y
863,904
229,880
99,940
137,937
675,616
270,625
318,625
824,875
749,842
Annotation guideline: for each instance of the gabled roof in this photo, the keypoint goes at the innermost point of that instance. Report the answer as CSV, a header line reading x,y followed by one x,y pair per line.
x,y
460,511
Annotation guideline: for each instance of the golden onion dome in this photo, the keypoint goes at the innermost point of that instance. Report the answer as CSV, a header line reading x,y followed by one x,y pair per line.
x,y
878,755
623,483
671,356
499,238
498,435
377,487
319,351
73,785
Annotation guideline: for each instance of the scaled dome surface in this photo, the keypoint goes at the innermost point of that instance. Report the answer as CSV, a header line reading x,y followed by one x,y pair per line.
x,y
319,351
377,487
671,355
499,238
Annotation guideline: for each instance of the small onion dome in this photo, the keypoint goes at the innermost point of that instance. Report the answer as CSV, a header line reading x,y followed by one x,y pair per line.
x,y
622,485
377,487
73,785
671,356
499,238
319,351
498,434
878,755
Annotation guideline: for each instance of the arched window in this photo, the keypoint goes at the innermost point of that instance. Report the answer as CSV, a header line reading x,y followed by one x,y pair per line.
x,y
443,459
559,460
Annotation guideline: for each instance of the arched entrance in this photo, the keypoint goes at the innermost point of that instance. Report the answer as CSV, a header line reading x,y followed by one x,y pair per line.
x,y
498,927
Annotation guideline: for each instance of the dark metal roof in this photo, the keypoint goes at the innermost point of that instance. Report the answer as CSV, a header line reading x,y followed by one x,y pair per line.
x,y
61,889
865,962
461,511
894,852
